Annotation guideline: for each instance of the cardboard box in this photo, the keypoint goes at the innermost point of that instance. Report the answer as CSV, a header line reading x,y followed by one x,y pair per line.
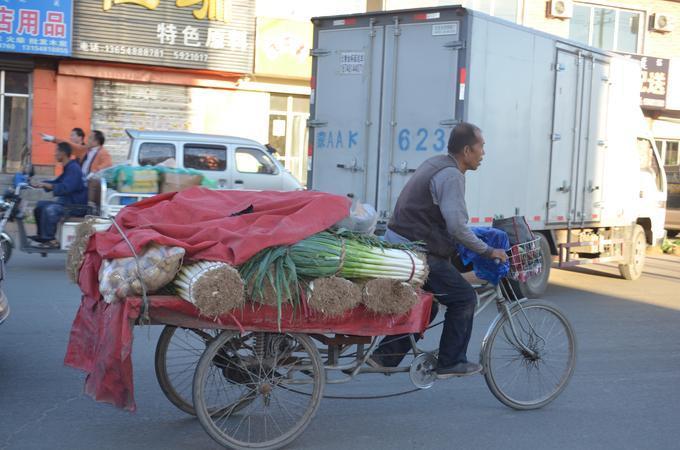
x,y
138,181
174,182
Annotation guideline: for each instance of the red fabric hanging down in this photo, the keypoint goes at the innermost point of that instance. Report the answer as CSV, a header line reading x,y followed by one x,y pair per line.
x,y
229,226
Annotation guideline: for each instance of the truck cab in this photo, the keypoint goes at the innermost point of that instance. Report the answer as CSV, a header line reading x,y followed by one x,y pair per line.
x,y
653,190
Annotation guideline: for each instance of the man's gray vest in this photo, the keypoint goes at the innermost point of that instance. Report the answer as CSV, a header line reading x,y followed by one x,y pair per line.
x,y
416,217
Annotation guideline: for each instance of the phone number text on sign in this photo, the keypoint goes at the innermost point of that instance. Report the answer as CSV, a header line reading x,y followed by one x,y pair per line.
x,y
352,63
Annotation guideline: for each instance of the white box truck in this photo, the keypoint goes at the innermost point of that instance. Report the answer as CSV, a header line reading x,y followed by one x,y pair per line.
x,y
566,143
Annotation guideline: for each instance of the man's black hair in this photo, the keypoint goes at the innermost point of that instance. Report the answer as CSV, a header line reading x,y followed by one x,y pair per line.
x,y
99,136
79,132
463,134
65,148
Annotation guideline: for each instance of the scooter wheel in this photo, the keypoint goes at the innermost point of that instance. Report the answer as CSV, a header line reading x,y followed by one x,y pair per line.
x,y
6,249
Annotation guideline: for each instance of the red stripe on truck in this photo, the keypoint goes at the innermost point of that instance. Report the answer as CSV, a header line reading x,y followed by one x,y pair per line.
x,y
488,219
474,220
537,218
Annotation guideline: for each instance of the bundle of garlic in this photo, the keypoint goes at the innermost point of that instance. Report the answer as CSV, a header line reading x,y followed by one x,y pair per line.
x,y
213,287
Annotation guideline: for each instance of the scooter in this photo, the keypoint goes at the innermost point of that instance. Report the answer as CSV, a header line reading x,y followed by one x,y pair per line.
x,y
12,209
4,303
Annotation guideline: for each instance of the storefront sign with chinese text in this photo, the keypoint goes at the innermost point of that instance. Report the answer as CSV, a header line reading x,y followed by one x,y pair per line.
x,y
654,81
36,26
200,34
282,48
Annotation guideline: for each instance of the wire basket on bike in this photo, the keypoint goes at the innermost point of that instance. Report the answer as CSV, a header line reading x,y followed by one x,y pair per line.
x,y
525,260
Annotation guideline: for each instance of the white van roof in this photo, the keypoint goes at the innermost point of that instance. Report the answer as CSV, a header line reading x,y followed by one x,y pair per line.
x,y
186,136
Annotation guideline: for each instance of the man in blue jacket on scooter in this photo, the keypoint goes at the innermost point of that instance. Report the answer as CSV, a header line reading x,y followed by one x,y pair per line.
x,y
70,198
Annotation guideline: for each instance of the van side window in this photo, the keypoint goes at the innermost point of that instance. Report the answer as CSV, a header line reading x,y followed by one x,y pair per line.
x,y
648,161
205,157
252,160
152,153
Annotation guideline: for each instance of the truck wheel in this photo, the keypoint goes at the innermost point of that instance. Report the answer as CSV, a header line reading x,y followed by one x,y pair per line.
x,y
636,260
535,287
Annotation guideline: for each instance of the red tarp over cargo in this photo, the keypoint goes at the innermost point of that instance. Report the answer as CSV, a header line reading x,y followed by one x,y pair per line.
x,y
229,226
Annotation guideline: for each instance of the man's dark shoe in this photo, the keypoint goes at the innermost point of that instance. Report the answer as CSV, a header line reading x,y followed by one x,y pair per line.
x,y
48,245
458,370
37,238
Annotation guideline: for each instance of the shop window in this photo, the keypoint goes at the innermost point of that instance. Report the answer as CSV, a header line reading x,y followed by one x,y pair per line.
x,y
205,157
648,161
14,122
288,116
16,82
503,9
607,28
152,153
250,160
672,154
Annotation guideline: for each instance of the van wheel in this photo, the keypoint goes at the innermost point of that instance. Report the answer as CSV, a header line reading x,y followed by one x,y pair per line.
x,y
636,260
534,287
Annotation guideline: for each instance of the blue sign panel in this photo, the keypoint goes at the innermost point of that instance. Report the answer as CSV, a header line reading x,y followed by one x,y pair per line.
x,y
36,26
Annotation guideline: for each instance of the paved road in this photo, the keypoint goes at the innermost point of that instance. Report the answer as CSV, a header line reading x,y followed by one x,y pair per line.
x,y
625,392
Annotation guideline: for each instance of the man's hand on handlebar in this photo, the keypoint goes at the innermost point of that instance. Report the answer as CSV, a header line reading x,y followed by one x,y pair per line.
x,y
499,255
41,185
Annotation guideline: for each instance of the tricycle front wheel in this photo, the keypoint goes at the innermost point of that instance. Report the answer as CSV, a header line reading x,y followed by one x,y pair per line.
x,y
530,379
258,391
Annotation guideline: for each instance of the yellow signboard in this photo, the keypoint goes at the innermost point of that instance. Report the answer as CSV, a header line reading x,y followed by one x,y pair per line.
x,y
208,9
282,48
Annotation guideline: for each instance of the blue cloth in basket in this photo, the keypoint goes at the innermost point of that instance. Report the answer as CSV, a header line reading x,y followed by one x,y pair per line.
x,y
486,268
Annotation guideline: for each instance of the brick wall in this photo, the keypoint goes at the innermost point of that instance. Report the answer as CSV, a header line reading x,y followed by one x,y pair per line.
x,y
44,119
60,103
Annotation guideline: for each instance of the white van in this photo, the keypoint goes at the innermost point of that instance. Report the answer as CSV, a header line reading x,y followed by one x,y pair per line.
x,y
233,162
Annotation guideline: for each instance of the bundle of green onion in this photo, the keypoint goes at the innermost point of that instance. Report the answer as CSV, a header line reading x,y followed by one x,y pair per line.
x,y
350,256
213,287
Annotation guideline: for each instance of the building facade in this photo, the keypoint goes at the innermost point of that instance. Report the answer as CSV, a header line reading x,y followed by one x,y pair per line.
x,y
33,34
230,67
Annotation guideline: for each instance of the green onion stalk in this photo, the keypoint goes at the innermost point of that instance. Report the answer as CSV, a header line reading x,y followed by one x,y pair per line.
x,y
342,254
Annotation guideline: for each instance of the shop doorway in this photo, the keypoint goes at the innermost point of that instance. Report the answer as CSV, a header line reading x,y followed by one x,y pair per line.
x,y
14,120
288,116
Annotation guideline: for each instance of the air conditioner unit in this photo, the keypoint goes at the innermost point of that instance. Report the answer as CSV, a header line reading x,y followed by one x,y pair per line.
x,y
662,22
561,9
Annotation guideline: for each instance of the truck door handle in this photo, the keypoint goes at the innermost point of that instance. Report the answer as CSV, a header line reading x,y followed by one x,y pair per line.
x,y
564,188
238,181
592,188
354,167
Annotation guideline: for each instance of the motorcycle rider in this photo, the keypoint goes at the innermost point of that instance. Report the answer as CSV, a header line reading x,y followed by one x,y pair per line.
x,y
71,198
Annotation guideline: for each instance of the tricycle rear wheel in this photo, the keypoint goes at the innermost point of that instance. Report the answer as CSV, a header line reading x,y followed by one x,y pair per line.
x,y
177,354
258,391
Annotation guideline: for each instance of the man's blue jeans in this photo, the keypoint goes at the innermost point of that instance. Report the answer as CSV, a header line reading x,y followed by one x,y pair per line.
x,y
47,216
453,291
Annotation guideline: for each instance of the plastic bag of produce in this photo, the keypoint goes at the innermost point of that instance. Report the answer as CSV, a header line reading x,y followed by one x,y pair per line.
x,y
362,219
159,265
